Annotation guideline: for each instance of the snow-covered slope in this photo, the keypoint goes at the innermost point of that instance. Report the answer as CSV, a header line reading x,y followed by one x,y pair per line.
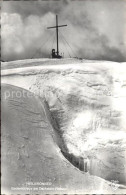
x,y
30,156
86,103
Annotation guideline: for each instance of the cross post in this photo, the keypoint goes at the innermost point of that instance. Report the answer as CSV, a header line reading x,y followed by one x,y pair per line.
x,y
56,27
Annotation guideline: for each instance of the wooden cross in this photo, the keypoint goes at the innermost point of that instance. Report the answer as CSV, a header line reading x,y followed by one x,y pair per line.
x,y
56,27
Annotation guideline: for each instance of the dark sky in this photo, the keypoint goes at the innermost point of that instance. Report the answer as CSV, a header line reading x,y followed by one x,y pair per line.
x,y
96,28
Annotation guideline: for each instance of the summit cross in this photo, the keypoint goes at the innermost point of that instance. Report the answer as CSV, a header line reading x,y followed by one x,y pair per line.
x,y
56,27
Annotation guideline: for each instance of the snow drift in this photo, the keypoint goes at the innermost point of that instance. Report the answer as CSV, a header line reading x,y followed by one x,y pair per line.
x,y
85,103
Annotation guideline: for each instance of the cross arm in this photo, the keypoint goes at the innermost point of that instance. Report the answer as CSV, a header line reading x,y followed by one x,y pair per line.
x,y
57,26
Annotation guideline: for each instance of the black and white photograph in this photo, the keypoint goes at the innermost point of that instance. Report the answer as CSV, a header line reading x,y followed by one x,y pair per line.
x,y
63,97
